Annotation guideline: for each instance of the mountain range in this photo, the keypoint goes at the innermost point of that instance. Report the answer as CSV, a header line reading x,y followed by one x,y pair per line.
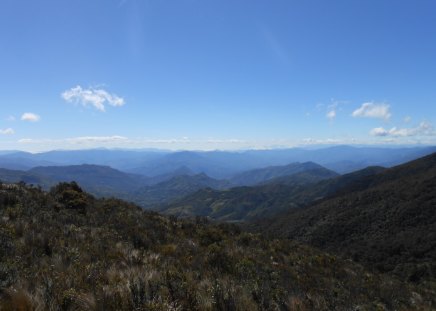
x,y
150,192
169,181
217,164
298,236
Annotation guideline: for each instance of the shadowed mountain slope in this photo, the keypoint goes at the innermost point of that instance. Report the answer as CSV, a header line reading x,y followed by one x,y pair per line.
x,y
274,173
248,203
385,220
175,188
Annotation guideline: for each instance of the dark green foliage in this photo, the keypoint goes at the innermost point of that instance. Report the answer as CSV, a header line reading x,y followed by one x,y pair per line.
x,y
386,221
293,172
112,255
266,201
70,195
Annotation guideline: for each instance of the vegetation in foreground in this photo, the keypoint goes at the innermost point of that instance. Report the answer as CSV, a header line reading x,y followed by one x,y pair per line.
x,y
65,250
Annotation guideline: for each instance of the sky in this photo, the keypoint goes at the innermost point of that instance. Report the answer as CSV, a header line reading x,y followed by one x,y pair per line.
x,y
216,74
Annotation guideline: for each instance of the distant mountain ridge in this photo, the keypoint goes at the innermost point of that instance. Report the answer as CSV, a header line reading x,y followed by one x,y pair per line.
x,y
104,181
99,180
217,164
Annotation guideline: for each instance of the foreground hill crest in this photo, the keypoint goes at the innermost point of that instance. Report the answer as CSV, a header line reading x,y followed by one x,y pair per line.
x,y
81,253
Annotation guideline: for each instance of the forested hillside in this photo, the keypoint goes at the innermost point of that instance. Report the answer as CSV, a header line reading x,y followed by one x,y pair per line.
x,y
265,201
386,221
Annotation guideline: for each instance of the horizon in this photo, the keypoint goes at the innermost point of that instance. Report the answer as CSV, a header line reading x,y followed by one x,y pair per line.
x,y
226,75
312,147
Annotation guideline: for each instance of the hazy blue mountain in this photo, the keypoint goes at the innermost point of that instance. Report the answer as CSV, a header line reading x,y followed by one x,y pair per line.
x,y
217,164
4,152
341,159
21,161
119,159
197,162
264,175
99,180
15,176
345,159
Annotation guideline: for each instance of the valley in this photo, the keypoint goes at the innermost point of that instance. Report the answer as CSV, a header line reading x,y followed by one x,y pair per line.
x,y
262,239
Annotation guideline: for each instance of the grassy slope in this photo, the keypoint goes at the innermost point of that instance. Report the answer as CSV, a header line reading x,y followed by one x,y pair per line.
x,y
66,250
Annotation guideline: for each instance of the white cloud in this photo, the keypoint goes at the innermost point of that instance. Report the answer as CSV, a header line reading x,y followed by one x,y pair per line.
x,y
7,131
423,129
379,131
32,117
407,119
91,96
373,110
331,115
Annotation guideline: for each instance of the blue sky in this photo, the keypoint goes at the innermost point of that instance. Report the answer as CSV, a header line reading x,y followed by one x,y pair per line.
x,y
228,74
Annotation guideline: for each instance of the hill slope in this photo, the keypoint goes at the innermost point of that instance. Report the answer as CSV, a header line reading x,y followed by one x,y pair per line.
x,y
81,253
274,173
175,188
265,201
386,220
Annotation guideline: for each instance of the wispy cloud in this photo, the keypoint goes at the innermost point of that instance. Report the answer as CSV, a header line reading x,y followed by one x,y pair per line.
x,y
76,140
95,97
31,117
122,3
423,129
11,118
97,139
116,141
7,131
327,141
373,110
275,46
331,115
333,108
